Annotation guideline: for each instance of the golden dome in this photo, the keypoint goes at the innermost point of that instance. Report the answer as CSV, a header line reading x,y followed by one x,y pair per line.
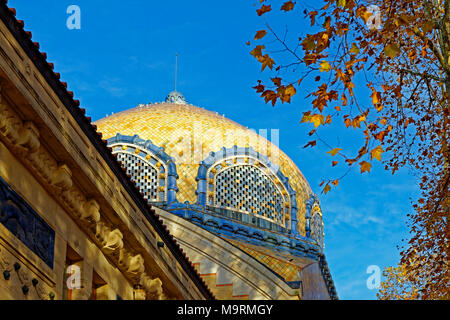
x,y
189,133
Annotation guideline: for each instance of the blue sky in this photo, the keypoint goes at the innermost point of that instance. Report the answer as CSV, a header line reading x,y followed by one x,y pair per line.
x,y
124,54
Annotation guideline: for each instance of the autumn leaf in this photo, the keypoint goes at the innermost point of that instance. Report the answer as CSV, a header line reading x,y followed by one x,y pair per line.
x,y
306,117
324,66
392,50
335,182
317,119
288,93
310,144
327,188
365,166
312,15
365,15
264,9
308,44
375,97
288,6
348,122
376,153
290,90
334,163
260,34
334,151
341,3
257,51
354,49
276,81
266,61
259,88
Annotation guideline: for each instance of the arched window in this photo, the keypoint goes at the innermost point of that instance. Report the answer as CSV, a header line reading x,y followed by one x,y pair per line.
x,y
143,173
248,188
148,166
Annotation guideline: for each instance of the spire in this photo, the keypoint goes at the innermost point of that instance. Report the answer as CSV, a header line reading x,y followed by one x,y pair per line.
x,y
176,67
175,96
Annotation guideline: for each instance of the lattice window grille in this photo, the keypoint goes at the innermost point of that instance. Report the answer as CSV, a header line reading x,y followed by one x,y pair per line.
x,y
145,170
246,185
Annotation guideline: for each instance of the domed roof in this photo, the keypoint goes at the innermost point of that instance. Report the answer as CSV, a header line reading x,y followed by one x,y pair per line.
x,y
190,133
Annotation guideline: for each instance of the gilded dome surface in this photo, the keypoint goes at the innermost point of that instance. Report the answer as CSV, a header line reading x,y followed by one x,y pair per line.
x,y
189,133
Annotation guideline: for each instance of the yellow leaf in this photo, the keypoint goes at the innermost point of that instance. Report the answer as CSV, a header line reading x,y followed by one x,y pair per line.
x,y
392,50
335,182
341,3
365,166
375,97
365,15
290,90
354,49
327,188
260,34
376,153
334,151
317,119
324,66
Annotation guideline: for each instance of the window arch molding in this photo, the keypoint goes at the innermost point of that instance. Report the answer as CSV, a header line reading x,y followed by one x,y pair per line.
x,y
150,157
240,157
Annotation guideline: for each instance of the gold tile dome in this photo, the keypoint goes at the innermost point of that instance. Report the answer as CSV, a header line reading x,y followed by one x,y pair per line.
x,y
189,133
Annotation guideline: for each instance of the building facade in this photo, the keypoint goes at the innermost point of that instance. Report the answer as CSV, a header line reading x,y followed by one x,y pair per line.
x,y
162,201
239,207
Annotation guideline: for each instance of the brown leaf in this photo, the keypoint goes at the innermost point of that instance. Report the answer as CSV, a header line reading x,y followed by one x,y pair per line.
x,y
263,9
310,144
288,6
260,34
